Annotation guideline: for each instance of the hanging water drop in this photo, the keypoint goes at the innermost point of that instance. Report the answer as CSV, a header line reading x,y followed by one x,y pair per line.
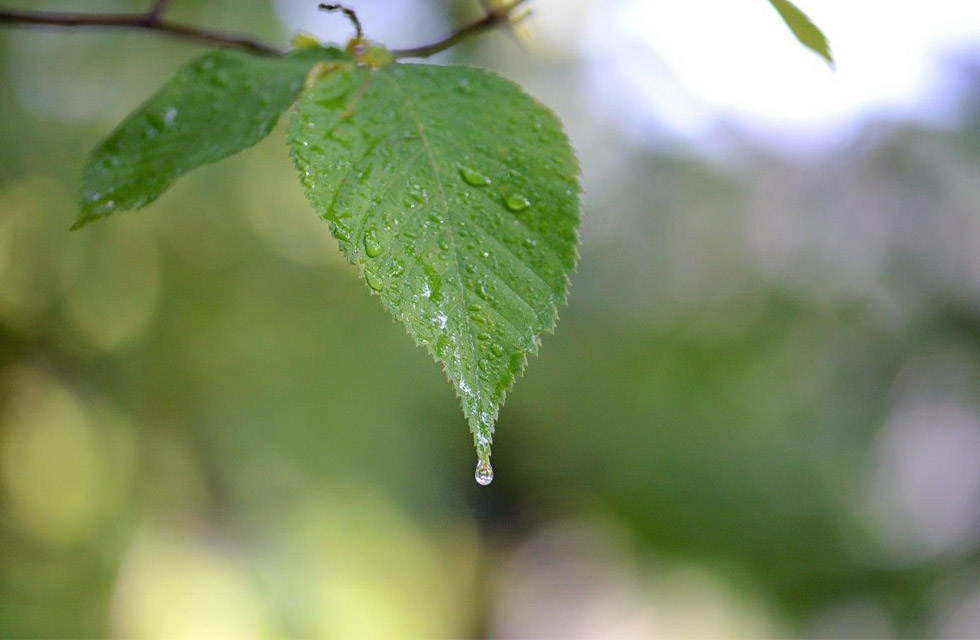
x,y
484,472
516,202
473,177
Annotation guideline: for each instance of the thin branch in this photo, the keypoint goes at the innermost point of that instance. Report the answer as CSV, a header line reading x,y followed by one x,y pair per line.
x,y
351,15
152,20
149,21
492,19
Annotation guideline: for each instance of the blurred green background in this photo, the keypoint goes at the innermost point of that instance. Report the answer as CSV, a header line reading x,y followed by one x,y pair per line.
x,y
759,416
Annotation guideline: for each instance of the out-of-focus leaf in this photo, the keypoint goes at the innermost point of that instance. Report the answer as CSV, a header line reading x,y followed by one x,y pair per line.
x,y
215,106
809,34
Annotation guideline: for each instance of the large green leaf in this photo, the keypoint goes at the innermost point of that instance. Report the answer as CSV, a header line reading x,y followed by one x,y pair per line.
x,y
214,106
805,31
457,196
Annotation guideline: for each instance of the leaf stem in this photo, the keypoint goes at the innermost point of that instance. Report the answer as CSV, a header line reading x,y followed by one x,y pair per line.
x,y
494,17
151,20
159,7
351,15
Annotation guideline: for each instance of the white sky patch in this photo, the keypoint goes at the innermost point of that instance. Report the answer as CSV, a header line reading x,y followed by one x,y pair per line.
x,y
688,66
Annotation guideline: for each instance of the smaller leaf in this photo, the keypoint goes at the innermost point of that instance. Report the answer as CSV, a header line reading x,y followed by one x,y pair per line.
x,y
213,107
809,35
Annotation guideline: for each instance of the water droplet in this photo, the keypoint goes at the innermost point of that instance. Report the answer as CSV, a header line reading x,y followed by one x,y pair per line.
x,y
417,193
473,177
341,231
372,245
221,78
516,202
373,281
530,243
444,245
464,86
496,350
160,121
484,472
483,336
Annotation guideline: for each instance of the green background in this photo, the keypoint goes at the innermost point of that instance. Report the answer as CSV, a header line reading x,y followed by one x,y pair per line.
x,y
758,415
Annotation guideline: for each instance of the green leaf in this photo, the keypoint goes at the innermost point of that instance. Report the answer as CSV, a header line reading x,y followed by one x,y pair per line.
x,y
214,106
805,31
457,196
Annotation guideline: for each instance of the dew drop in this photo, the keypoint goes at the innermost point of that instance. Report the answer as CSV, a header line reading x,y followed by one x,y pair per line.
x,y
417,193
372,245
496,350
516,202
373,281
221,78
484,472
464,86
473,177
341,231
444,245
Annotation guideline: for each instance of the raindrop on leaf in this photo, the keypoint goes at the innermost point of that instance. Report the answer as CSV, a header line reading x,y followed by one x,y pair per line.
x,y
516,202
473,177
372,245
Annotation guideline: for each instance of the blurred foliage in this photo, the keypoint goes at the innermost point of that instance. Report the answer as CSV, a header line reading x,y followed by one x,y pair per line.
x,y
759,415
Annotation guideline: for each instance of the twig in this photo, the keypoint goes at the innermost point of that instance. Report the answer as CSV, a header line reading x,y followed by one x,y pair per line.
x,y
148,21
153,20
351,15
493,18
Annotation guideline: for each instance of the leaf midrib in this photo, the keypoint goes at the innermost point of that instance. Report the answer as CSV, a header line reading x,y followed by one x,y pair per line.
x,y
450,224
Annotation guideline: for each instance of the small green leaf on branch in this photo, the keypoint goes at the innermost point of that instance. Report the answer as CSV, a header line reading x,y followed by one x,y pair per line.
x,y
213,107
809,35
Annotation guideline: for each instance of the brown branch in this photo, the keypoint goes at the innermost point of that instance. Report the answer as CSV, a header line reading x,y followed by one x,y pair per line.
x,y
495,17
151,20
159,7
